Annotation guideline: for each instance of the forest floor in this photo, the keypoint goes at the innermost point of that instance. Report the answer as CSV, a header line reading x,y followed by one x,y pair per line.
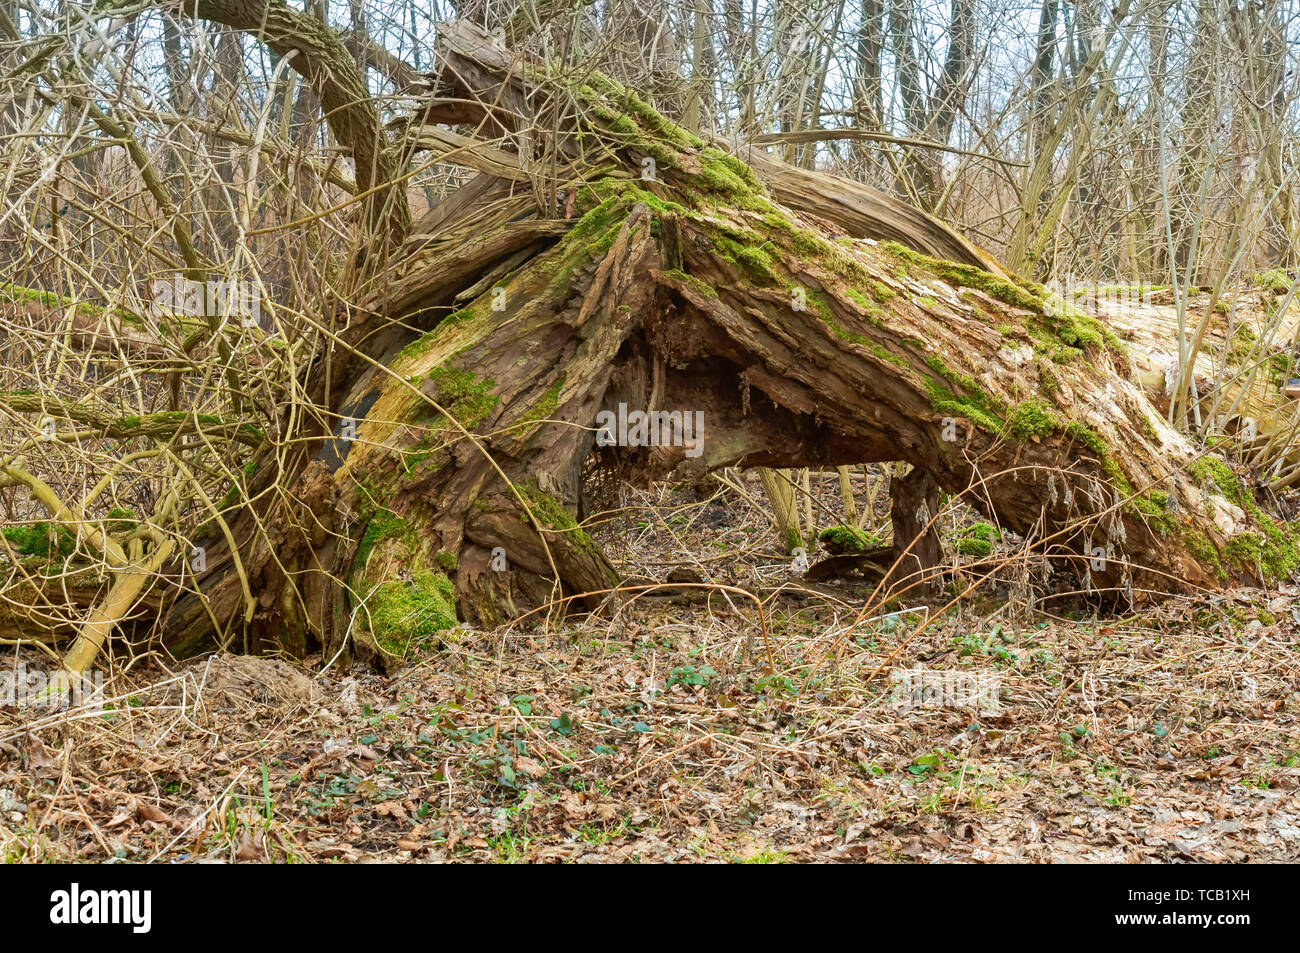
x,y
662,731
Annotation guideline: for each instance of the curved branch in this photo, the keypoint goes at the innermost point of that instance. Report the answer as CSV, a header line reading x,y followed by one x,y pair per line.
x,y
320,56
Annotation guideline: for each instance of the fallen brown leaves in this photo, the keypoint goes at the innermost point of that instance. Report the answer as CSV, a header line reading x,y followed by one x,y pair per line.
x,y
659,732
1172,737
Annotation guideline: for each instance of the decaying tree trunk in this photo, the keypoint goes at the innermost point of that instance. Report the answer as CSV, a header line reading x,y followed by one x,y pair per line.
x,y
665,276
916,535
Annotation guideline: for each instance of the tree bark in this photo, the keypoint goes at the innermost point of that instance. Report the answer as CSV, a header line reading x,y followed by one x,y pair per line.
x,y
915,504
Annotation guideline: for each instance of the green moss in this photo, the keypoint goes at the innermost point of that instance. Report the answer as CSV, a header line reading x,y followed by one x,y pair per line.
x,y
807,244
383,525
1275,281
740,170
1060,355
696,284
1062,333
424,449
1206,553
945,402
1281,362
447,561
1247,549
233,496
961,396
1208,471
546,405
978,539
18,294
619,125
1088,437
1065,337
402,614
41,539
1154,509
1048,378
422,344
1033,419
463,394
1093,442
1241,342
748,253
719,175
969,276
163,423
810,246
1273,549
552,514
596,231
758,263
1117,476
846,540
648,118
595,224
121,520
623,195
875,314
1077,329
882,352
1280,557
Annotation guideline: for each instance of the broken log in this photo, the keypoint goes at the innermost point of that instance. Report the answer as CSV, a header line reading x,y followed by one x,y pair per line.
x,y
670,277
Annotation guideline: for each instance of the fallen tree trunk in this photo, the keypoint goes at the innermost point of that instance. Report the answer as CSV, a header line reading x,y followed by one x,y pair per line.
x,y
666,278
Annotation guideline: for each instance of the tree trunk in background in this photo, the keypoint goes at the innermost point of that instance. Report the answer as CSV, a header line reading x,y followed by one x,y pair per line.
x,y
741,54
868,90
1259,37
451,486
1144,230
1199,115
228,76
930,116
